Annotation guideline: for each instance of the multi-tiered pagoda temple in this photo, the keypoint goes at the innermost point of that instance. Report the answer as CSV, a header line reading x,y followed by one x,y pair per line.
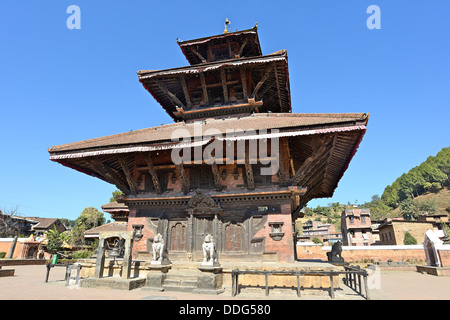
x,y
229,86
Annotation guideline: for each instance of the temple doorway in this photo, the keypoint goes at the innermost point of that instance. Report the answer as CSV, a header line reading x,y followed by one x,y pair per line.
x,y
233,237
178,237
202,227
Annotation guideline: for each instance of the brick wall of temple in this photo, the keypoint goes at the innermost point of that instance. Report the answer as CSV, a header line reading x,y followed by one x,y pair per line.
x,y
140,245
284,246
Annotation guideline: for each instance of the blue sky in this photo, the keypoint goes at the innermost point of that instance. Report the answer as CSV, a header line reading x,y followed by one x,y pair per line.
x,y
59,85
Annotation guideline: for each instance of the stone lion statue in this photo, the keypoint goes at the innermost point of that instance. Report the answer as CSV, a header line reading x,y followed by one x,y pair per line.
x,y
209,250
335,254
158,247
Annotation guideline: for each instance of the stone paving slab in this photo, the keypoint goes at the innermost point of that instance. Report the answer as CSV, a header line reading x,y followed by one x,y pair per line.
x,y
28,284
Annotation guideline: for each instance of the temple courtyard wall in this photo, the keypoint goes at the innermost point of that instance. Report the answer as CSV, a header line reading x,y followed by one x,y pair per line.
x,y
398,253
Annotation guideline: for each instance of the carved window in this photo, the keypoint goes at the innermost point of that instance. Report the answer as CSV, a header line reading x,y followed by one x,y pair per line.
x,y
201,178
138,231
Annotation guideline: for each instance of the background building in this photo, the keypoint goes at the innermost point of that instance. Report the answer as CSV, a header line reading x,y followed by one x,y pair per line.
x,y
325,232
392,230
356,227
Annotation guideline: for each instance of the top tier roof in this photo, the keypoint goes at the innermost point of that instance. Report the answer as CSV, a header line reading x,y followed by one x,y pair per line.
x,y
243,43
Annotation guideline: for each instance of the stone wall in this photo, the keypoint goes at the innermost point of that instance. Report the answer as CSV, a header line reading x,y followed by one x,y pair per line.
x,y
5,246
412,253
25,248
444,257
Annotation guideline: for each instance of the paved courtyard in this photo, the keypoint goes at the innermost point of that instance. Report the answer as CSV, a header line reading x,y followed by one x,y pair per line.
x,y
28,284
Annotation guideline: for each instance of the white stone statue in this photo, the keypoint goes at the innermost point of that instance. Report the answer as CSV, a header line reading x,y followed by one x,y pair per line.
x,y
158,248
209,251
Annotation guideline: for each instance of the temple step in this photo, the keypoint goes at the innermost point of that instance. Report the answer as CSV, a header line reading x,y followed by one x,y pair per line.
x,y
180,285
181,280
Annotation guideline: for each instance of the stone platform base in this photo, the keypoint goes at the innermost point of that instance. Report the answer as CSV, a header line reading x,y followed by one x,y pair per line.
x,y
435,271
113,283
22,262
142,268
6,272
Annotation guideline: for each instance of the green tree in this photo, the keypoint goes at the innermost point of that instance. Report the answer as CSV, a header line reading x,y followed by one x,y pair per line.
x,y
54,241
88,219
408,209
117,193
378,209
391,195
317,241
409,239
431,175
67,222
426,207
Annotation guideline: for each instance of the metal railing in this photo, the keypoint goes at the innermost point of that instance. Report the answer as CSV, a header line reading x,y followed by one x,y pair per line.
x,y
350,277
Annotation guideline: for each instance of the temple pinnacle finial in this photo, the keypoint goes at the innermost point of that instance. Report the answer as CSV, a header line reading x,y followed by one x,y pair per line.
x,y
227,22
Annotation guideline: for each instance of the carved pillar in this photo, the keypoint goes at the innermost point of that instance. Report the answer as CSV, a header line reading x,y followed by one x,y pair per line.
x,y
190,230
127,259
216,232
100,263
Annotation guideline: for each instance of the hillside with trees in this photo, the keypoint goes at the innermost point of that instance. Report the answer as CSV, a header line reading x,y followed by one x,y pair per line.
x,y
431,175
424,189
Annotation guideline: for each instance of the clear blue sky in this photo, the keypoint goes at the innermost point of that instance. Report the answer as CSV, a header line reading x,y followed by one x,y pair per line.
x,y
59,85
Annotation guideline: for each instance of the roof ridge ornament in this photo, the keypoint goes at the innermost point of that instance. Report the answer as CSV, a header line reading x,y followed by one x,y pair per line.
x,y
227,22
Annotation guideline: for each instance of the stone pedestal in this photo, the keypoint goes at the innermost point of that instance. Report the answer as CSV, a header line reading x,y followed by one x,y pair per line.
x,y
211,280
161,264
6,272
113,283
156,276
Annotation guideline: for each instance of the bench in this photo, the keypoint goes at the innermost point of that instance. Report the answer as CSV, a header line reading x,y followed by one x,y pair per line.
x,y
69,267
348,273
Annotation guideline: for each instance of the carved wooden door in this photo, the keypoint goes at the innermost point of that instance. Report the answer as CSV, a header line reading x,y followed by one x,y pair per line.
x,y
178,237
233,237
202,227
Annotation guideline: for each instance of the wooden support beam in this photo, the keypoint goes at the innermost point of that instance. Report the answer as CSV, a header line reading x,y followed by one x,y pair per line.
x,y
333,147
183,178
210,53
171,96
319,149
109,175
309,194
198,55
224,85
244,84
128,174
185,91
267,88
217,177
242,48
152,171
315,175
249,169
281,168
267,72
205,91
318,172
278,85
